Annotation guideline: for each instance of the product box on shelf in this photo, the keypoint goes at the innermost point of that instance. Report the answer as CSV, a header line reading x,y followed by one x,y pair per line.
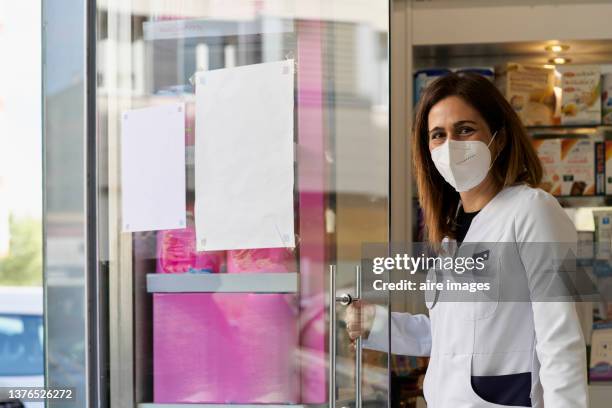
x,y
600,366
608,167
176,251
581,167
572,166
603,242
606,99
580,95
424,77
602,310
600,167
487,72
585,252
549,152
530,91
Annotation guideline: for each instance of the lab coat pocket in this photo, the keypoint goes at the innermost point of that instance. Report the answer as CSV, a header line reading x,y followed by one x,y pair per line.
x,y
499,390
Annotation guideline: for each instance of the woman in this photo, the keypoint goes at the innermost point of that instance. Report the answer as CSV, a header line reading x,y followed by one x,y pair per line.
x,y
477,173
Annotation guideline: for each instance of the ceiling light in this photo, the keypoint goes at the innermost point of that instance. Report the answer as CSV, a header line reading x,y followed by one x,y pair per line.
x,y
557,47
559,60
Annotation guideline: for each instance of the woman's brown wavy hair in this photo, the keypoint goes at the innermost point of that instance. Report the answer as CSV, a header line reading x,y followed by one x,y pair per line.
x,y
516,161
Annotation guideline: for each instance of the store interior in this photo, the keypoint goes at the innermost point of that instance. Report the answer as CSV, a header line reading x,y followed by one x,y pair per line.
x,y
502,54
586,201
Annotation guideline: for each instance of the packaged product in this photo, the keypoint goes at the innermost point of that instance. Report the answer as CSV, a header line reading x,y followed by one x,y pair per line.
x,y
600,167
602,310
603,242
584,256
581,167
608,167
549,152
263,260
487,72
600,366
424,77
572,166
176,252
604,135
580,95
606,99
530,91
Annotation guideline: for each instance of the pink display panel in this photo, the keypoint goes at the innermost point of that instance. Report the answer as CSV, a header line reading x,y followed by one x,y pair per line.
x,y
225,348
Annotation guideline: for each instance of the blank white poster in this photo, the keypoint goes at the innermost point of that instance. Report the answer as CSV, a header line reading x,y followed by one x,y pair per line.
x,y
244,157
153,168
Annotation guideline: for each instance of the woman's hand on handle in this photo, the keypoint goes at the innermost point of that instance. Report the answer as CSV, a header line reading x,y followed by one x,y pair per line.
x,y
359,316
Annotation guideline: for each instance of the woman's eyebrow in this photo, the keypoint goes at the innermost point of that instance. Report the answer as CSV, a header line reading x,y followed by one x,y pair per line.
x,y
463,122
437,128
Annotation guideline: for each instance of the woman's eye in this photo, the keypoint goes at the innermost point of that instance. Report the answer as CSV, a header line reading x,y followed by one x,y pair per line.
x,y
465,131
435,136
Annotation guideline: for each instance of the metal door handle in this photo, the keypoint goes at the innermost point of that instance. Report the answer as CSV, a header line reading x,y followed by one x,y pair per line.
x,y
358,343
344,299
332,336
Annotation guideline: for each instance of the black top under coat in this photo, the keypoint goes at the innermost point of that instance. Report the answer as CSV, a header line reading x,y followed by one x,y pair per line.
x,y
462,223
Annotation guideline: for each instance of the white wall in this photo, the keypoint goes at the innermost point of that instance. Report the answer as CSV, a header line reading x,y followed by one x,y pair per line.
x,y
495,21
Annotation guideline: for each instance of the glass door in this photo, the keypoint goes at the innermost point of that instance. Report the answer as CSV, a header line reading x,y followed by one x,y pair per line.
x,y
242,156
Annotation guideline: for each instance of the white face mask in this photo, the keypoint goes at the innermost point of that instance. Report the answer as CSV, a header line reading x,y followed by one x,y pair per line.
x,y
463,164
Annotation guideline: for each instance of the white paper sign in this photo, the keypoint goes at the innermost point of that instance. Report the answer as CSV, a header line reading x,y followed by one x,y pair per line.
x,y
153,168
244,157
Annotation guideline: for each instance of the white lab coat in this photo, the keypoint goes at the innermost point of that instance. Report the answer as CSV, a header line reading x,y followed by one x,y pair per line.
x,y
499,338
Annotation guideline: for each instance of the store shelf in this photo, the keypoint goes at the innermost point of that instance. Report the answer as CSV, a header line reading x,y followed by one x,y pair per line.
x,y
584,201
561,127
579,132
222,283
572,131
153,405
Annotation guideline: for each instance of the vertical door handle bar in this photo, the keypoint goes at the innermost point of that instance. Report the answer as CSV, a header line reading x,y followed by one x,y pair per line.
x,y
345,299
332,336
358,344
